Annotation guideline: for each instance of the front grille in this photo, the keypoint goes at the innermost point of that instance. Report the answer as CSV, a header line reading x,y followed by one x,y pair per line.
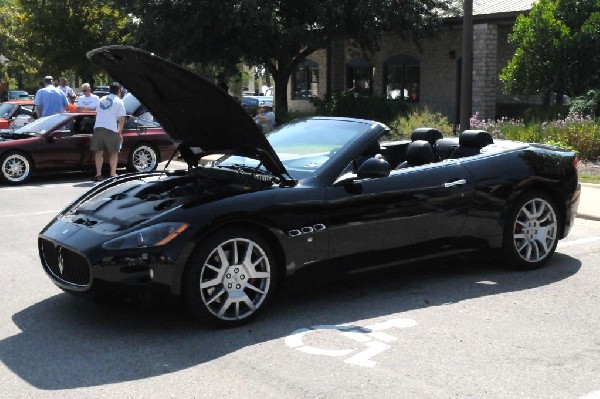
x,y
64,265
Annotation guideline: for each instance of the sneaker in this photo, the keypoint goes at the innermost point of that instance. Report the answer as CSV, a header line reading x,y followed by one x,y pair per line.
x,y
98,178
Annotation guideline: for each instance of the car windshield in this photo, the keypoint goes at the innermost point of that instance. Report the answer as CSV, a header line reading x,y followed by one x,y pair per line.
x,y
305,146
43,124
6,109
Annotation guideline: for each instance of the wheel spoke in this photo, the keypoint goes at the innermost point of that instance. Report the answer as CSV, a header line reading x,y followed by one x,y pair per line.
x,y
215,296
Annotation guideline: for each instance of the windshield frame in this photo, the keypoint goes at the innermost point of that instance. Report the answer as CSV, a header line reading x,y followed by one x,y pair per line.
x,y
307,146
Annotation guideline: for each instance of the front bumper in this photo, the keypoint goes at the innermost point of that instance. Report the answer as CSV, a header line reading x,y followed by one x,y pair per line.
x,y
74,259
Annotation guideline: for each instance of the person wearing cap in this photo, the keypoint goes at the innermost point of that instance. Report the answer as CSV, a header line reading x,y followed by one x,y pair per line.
x,y
88,101
49,100
110,119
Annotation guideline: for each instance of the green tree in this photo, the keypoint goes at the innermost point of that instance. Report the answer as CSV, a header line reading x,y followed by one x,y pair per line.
x,y
21,64
61,32
278,34
557,49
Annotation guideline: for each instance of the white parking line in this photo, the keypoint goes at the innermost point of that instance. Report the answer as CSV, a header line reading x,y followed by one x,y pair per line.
x,y
591,395
28,214
38,186
580,241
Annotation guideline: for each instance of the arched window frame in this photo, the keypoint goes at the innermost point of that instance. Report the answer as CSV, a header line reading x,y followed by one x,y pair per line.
x,y
402,78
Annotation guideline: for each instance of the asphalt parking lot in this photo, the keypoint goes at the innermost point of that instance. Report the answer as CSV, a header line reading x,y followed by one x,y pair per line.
x,y
464,327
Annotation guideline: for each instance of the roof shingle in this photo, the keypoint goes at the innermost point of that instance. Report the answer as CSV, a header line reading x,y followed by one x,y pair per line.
x,y
485,7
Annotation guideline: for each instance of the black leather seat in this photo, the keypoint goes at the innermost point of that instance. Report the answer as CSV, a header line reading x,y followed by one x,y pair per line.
x,y
428,134
470,142
417,153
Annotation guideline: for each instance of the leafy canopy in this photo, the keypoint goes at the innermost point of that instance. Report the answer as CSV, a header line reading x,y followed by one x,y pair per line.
x,y
61,32
278,34
557,49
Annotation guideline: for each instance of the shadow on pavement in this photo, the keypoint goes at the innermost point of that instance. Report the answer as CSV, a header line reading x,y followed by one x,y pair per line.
x,y
68,343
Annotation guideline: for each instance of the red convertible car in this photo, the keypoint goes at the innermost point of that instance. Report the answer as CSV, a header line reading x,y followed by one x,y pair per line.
x,y
61,142
9,110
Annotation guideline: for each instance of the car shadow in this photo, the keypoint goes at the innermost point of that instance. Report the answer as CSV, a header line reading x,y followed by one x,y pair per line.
x,y
67,343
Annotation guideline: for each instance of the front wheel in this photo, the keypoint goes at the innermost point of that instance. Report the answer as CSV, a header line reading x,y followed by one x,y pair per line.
x,y
143,158
230,278
531,231
15,168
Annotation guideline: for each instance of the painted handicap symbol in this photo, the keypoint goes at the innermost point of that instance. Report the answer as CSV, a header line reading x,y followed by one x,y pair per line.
x,y
371,338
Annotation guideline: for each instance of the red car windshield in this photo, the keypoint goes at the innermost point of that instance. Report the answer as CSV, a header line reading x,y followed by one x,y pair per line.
x,y
6,109
44,124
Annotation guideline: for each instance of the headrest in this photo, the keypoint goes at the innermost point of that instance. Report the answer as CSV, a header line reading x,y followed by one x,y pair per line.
x,y
419,153
475,138
426,133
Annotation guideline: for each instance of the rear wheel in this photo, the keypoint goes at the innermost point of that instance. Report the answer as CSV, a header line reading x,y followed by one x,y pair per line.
x,y
15,167
143,158
230,278
531,231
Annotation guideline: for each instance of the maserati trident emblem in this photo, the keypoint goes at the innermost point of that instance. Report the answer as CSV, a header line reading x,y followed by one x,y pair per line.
x,y
61,259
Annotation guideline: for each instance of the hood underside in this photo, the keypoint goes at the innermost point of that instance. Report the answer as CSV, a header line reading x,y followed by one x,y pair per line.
x,y
192,110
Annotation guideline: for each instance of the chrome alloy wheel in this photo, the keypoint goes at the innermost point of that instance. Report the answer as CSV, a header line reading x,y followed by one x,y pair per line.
x,y
144,158
535,230
235,279
15,168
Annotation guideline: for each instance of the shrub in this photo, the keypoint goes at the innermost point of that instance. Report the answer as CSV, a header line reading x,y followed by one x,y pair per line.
x,y
589,104
581,134
403,126
352,104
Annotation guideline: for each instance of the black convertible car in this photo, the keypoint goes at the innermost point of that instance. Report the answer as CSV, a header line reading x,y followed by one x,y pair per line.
x,y
315,192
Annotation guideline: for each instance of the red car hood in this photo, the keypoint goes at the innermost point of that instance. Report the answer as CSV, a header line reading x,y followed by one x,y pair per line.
x,y
191,109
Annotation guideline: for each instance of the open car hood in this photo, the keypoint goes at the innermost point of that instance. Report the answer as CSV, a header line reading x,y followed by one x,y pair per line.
x,y
192,110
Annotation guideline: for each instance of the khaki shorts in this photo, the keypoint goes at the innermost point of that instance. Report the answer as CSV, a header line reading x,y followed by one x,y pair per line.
x,y
105,139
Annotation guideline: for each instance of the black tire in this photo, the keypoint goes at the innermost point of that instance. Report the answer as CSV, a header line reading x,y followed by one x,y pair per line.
x,y
230,278
143,158
15,167
531,231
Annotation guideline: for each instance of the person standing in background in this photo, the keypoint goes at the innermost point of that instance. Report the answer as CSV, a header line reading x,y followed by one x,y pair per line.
x,y
62,85
49,100
87,101
110,119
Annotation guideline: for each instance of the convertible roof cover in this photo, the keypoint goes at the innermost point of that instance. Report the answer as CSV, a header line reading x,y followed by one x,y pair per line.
x,y
191,109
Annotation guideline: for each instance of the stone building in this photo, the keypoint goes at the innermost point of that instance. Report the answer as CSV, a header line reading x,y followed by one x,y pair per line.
x,y
426,73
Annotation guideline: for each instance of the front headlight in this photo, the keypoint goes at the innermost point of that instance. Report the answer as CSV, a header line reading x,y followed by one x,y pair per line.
x,y
153,236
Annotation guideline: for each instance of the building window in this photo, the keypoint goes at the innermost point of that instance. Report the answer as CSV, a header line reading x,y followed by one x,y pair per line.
x,y
359,76
306,81
401,77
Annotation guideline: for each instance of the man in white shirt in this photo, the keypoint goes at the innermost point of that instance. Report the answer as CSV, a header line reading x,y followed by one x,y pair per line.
x,y
62,85
110,119
87,101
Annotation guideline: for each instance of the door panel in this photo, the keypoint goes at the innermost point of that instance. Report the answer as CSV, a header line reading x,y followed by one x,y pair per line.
x,y
410,206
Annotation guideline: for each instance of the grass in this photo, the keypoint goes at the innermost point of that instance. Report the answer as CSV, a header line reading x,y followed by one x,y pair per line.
x,y
589,178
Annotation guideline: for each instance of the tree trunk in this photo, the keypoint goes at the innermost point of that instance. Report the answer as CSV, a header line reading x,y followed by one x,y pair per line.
x,y
281,79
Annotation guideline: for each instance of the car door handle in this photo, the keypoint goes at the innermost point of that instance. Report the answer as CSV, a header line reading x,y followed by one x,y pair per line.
x,y
455,183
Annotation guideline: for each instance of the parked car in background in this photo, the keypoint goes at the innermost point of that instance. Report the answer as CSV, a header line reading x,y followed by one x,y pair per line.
x,y
325,193
62,141
18,95
250,104
20,112
100,91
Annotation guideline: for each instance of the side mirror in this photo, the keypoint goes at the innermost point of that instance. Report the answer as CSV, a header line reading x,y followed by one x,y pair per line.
x,y
374,168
